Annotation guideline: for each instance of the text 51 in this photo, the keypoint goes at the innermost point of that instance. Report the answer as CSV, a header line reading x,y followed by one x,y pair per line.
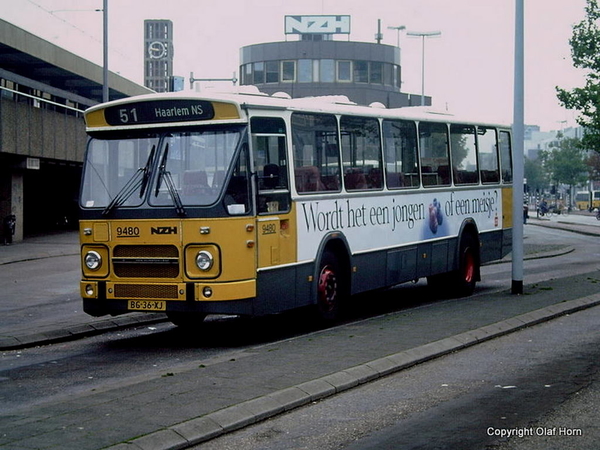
x,y
128,115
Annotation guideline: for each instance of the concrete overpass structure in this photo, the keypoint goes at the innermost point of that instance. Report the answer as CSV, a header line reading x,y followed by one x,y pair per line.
x,y
44,90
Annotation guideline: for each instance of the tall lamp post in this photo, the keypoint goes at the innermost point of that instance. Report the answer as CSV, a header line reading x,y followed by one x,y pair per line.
x,y
399,28
423,35
105,51
518,149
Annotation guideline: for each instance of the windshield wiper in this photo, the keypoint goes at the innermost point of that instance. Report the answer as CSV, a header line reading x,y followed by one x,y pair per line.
x,y
163,173
147,168
138,182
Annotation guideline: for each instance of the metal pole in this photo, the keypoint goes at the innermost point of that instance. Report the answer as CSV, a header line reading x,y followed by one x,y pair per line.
x,y
423,70
398,28
105,96
518,161
423,35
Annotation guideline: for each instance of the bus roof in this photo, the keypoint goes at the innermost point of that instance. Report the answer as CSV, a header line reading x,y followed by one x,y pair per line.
x,y
248,99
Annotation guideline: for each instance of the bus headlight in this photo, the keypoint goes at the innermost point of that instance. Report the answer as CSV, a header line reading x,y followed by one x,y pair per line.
x,y
93,260
204,260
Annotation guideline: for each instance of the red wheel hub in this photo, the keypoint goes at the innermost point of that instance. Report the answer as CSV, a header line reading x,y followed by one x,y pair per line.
x,y
469,267
327,289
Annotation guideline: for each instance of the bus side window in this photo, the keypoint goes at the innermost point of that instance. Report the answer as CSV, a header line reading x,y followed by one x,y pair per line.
x,y
400,150
435,163
237,195
464,154
316,153
505,157
270,164
488,155
361,153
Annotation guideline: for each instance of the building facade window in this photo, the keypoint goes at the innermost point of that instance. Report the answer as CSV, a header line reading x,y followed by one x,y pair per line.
x,y
288,71
317,71
246,74
259,72
344,71
272,71
397,76
388,74
376,73
327,71
305,70
361,71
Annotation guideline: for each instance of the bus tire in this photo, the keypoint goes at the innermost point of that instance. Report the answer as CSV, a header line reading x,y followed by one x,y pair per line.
x,y
331,289
464,279
186,319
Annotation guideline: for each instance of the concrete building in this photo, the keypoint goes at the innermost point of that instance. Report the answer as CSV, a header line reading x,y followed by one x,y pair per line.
x,y
536,140
43,92
318,65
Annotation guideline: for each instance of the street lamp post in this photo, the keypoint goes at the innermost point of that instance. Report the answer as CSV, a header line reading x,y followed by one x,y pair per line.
x,y
423,35
518,148
105,52
399,28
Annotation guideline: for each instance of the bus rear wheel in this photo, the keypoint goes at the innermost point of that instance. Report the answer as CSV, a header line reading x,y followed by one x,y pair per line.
x,y
466,277
330,287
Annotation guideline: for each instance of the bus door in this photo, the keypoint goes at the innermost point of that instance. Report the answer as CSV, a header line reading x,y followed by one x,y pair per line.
x,y
275,227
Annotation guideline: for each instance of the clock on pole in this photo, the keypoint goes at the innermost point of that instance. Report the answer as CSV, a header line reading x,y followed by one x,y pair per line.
x,y
158,49
158,54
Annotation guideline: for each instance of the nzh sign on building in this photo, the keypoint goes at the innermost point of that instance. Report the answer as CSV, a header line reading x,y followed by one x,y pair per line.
x,y
317,24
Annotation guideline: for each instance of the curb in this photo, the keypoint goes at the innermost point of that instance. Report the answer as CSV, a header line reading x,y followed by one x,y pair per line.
x,y
78,331
218,423
35,257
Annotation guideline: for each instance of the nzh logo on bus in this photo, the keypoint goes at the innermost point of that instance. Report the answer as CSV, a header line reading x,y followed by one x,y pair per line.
x,y
132,231
346,214
163,230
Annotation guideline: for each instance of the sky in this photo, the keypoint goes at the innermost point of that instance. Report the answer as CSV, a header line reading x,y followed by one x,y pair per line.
x,y
469,68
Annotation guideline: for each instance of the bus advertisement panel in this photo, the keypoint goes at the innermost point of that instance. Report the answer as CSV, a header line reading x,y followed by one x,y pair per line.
x,y
390,221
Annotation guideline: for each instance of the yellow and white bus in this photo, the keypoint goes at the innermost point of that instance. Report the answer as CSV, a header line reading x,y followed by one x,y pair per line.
x,y
587,200
583,200
250,205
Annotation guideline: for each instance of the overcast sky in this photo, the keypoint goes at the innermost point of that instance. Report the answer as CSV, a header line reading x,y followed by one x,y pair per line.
x,y
468,69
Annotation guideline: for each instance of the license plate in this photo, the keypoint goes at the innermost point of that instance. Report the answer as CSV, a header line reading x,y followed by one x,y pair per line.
x,y
146,305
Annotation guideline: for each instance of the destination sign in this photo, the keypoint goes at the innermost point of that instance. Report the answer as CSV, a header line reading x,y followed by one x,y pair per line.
x,y
159,111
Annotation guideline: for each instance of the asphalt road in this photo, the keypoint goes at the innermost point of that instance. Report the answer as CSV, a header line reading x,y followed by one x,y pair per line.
x,y
131,369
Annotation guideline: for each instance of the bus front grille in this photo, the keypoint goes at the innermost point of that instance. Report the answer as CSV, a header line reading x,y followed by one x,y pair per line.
x,y
146,261
146,291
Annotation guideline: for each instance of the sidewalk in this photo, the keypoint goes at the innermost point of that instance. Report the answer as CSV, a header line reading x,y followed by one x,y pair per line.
x,y
567,224
40,247
46,248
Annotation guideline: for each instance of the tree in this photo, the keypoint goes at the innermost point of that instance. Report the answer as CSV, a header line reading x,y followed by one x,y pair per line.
x,y
566,163
585,51
593,162
535,176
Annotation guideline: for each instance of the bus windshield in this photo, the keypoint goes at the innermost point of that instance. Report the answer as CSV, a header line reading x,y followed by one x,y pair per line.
x,y
171,169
